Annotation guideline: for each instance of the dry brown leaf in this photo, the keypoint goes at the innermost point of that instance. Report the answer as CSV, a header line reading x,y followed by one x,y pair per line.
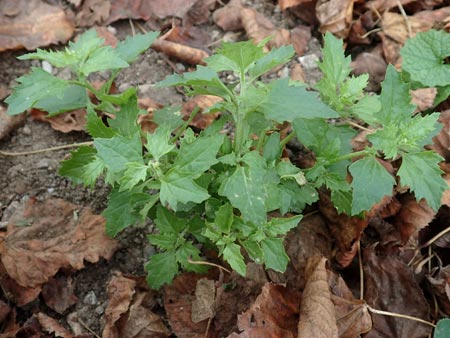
x,y
317,316
441,142
51,325
412,217
58,293
93,12
229,17
441,287
297,73
306,11
5,310
390,285
61,235
423,98
66,122
189,36
391,50
109,38
199,13
300,37
201,120
382,6
9,123
335,16
395,27
204,303
273,314
32,23
129,312
285,4
371,63
193,56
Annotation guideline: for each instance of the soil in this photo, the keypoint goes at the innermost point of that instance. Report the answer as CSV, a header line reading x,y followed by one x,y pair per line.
x,y
23,177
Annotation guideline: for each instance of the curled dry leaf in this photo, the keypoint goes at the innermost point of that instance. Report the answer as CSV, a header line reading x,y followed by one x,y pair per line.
x,y
193,56
199,13
372,63
93,12
9,123
66,122
31,24
300,37
423,98
441,142
203,306
273,314
60,235
229,17
51,325
441,287
382,6
190,36
317,315
390,285
16,293
201,120
335,16
129,312
58,293
285,4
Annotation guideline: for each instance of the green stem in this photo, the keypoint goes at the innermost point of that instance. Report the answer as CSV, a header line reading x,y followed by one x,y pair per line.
x,y
86,85
239,134
287,139
186,124
261,140
351,155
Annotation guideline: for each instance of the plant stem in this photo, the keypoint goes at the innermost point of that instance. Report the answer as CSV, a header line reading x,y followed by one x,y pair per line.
x,y
261,140
351,155
186,124
287,139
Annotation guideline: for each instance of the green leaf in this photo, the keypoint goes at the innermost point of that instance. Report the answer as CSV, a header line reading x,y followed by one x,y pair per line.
x,y
281,226
272,147
294,197
275,256
73,97
178,187
442,329
132,47
371,182
366,109
104,58
424,56
421,172
165,241
342,201
170,116
275,57
224,218
158,142
200,155
254,251
395,99
125,121
168,222
120,212
34,87
135,172
188,251
95,126
82,166
286,103
245,189
232,254
161,269
117,151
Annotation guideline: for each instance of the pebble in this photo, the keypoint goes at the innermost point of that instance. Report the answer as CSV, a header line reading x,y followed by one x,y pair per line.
x,y
309,61
90,298
99,310
180,67
26,130
47,66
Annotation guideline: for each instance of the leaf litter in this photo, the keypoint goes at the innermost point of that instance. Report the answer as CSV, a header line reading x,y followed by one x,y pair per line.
x,y
319,248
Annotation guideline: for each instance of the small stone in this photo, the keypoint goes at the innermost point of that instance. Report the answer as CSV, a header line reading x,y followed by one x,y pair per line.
x,y
47,66
26,130
180,67
90,298
99,310
309,61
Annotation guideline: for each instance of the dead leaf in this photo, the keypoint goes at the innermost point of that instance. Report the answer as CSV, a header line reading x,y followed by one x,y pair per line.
x,y
5,310
93,12
199,13
391,50
412,217
285,4
297,73
32,24
335,16
58,293
395,27
441,287
66,122
317,315
441,142
382,6
390,285
204,303
273,314
229,17
306,11
371,63
201,120
129,312
109,38
193,56
61,235
9,123
300,37
50,325
189,36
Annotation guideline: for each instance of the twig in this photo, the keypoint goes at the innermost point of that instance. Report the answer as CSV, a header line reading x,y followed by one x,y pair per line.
x,y
88,328
375,30
356,125
361,273
399,315
405,17
208,263
132,27
32,152
435,238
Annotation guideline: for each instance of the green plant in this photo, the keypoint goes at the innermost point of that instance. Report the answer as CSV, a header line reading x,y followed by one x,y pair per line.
x,y
218,188
442,329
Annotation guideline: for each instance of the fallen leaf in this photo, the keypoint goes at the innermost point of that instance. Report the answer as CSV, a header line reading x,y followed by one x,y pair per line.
x,y
390,285
285,4
395,27
317,315
201,120
9,123
306,11
50,325
32,24
229,17
371,63
441,142
189,36
441,286
382,6
61,235
193,56
423,98
93,12
58,293
300,37
297,73
273,314
129,312
204,303
199,13
335,16
74,120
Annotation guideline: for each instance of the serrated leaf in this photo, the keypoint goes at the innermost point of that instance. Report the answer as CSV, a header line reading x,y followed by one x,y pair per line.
x,y
82,166
170,116
200,155
294,197
134,173
178,187
275,57
421,173
133,46
275,256
34,87
104,58
221,63
342,201
371,182
334,65
232,254
395,99
287,103
281,226
164,241
125,121
187,251
120,212
161,269
254,251
95,126
352,88
423,58
366,109
117,151
245,189
168,222
224,218
158,142
73,97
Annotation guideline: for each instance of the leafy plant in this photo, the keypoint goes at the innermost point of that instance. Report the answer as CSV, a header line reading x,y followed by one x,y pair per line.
x,y
442,329
218,187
